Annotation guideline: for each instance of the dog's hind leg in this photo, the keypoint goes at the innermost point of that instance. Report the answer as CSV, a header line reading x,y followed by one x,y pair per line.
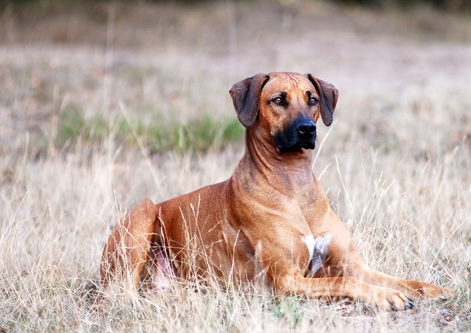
x,y
127,250
161,271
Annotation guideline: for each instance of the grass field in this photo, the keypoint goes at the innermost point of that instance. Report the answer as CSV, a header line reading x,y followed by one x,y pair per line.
x,y
104,105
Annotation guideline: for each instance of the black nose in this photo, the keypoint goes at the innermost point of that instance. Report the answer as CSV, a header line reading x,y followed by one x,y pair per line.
x,y
306,127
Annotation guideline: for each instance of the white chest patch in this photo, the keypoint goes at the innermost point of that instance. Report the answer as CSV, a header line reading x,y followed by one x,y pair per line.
x,y
317,248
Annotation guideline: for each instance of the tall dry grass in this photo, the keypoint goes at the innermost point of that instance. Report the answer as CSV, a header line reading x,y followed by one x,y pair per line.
x,y
396,163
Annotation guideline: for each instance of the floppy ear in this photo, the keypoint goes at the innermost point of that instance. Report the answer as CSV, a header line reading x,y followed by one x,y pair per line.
x,y
246,98
329,95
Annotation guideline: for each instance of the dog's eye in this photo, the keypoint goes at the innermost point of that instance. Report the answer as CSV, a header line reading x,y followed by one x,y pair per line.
x,y
278,101
313,101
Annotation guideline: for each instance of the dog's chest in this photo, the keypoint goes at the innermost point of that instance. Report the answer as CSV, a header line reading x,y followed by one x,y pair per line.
x,y
318,250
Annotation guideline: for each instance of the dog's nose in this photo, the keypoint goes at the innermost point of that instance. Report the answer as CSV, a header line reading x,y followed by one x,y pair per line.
x,y
306,127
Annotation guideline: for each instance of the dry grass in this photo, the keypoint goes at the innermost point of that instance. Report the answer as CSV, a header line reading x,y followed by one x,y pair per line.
x,y
396,163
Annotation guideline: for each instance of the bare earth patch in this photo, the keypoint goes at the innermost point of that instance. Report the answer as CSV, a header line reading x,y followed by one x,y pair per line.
x,y
396,162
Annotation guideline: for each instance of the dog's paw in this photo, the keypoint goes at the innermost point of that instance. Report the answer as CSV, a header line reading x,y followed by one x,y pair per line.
x,y
387,299
427,290
432,291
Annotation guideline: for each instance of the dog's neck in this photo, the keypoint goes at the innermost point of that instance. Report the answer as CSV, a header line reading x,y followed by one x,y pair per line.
x,y
283,168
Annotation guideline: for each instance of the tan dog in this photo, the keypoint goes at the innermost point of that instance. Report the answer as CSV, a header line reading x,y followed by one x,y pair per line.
x,y
271,218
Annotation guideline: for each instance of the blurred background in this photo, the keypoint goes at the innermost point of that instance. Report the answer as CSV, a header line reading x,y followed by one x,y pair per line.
x,y
161,70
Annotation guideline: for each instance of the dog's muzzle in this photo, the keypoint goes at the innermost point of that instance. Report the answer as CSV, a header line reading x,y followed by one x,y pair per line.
x,y
300,134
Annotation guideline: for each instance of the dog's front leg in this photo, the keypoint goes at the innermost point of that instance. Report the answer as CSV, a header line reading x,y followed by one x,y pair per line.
x,y
332,288
410,287
343,260
287,264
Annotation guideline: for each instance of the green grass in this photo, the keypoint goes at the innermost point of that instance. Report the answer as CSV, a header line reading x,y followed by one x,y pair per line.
x,y
201,134
288,310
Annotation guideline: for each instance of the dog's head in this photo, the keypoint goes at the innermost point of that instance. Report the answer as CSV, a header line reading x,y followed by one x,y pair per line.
x,y
286,105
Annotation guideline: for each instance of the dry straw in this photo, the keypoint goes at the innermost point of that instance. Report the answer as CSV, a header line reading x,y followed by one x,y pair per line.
x,y
396,164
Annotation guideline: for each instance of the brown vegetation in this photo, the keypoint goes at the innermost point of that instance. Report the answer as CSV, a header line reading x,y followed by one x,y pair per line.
x,y
85,92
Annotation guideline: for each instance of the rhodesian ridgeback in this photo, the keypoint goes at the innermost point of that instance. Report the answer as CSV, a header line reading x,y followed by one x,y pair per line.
x,y
270,219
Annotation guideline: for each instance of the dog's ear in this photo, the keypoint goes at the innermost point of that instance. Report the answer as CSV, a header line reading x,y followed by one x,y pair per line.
x,y
246,98
329,96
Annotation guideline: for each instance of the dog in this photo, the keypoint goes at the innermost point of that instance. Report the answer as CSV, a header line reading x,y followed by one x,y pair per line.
x,y
271,218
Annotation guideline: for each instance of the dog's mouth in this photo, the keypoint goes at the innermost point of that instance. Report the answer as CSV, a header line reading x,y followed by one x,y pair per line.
x,y
296,147
311,144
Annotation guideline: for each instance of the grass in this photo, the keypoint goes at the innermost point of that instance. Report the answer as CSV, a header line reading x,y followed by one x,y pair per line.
x,y
87,131
199,135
